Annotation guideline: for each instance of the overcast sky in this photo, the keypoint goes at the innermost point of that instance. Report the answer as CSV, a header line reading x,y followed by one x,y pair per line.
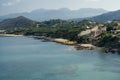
x,y
15,6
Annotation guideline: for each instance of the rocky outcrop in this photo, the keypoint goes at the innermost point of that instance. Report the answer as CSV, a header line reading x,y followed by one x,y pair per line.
x,y
85,46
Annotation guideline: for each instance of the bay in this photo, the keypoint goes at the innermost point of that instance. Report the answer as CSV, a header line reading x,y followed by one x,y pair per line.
x,y
23,58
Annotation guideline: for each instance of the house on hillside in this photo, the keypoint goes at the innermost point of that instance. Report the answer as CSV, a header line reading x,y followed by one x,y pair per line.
x,y
55,25
2,32
38,25
118,35
116,28
117,25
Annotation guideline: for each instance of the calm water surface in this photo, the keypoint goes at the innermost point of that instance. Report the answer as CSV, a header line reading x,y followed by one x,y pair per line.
x,y
23,58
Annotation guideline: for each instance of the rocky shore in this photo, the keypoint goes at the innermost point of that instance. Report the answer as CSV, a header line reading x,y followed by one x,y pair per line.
x,y
67,42
112,50
85,46
76,45
57,40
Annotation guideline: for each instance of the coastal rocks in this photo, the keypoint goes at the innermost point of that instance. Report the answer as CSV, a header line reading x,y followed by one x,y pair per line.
x,y
57,40
85,46
107,50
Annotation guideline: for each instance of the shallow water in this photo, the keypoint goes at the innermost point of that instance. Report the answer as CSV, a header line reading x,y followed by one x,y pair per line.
x,y
23,58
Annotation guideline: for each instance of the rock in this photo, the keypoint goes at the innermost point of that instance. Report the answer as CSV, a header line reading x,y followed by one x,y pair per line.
x,y
85,46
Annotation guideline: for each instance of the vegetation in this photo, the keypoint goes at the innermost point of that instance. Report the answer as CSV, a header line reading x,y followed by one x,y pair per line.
x,y
108,40
64,29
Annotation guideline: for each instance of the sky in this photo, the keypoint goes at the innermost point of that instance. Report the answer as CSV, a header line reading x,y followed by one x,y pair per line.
x,y
18,6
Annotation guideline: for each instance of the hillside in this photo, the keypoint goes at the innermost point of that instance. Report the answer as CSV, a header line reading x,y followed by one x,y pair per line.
x,y
115,15
16,22
63,13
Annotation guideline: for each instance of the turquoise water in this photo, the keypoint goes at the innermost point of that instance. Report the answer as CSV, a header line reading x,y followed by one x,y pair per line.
x,y
23,58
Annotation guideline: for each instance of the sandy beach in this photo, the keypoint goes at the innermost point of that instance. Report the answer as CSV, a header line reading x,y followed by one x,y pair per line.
x,y
10,35
65,41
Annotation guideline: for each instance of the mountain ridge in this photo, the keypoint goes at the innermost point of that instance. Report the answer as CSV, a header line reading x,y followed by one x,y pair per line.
x,y
62,13
113,15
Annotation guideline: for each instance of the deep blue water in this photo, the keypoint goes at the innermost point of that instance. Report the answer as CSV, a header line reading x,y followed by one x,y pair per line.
x,y
23,58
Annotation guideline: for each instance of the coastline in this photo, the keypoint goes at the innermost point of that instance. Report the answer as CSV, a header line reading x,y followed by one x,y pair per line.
x,y
10,35
76,45
66,42
57,40
112,50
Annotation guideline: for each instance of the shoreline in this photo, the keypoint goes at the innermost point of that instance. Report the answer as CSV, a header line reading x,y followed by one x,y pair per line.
x,y
57,40
66,42
76,45
10,35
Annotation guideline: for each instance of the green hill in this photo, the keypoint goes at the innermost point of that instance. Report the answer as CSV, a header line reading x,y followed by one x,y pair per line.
x,y
16,22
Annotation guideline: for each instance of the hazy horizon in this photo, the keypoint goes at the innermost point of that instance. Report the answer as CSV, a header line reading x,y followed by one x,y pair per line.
x,y
51,9
19,6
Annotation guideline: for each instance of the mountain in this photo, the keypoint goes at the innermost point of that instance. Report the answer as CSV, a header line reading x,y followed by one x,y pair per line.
x,y
16,22
63,13
114,15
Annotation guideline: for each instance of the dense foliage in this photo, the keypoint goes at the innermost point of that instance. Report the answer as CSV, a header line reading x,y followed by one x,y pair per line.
x,y
109,40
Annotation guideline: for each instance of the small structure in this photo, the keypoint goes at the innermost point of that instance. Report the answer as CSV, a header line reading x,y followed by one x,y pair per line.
x,y
2,32
118,35
39,25
117,25
55,25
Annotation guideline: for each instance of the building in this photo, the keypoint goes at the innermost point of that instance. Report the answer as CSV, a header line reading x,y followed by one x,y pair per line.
x,y
2,31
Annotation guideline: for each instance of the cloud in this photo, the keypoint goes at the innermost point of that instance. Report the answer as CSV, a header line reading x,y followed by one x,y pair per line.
x,y
11,3
18,1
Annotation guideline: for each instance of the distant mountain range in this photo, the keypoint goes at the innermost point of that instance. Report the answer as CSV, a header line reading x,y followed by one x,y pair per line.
x,y
63,13
22,21
16,23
